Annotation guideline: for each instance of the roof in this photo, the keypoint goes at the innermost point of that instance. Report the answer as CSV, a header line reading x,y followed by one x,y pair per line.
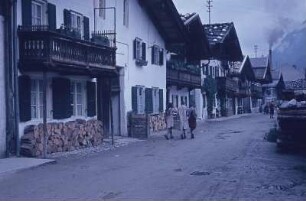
x,y
276,74
224,42
166,18
290,73
216,33
299,84
197,45
244,67
259,62
261,69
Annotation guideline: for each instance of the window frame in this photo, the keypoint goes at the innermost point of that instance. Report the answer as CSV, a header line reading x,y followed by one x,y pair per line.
x,y
155,99
141,97
43,13
81,17
37,92
74,98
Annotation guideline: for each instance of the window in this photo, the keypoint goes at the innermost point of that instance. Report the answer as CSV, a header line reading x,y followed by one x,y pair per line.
x,y
126,13
140,51
102,12
77,22
155,97
37,13
36,99
77,98
155,54
140,99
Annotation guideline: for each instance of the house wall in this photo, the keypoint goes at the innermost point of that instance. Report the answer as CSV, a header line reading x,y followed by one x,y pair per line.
x,y
141,26
2,91
174,91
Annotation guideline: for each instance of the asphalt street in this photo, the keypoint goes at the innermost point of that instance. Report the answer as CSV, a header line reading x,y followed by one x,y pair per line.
x,y
227,160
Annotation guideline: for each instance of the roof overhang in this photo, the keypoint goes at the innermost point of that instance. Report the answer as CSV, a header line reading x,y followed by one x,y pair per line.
x,y
166,18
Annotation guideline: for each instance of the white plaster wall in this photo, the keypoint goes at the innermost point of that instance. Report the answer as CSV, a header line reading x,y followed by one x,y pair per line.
x,y
173,91
2,91
199,103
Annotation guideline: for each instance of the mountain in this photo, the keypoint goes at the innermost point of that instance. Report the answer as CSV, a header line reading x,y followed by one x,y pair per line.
x,y
291,50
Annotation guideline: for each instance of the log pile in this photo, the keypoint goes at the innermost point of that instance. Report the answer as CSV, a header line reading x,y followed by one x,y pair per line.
x,y
157,122
62,137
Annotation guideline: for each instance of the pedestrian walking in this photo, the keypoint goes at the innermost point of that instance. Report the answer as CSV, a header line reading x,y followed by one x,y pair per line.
x,y
192,121
271,109
182,110
169,120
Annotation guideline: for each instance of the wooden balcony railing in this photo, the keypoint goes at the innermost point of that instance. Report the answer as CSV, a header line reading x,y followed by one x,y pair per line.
x,y
227,84
183,78
39,45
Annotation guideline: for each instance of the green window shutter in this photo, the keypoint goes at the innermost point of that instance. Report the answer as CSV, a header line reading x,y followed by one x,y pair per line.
x,y
24,83
161,100
144,51
52,16
161,57
134,49
148,100
67,18
91,99
152,55
86,28
134,99
26,12
62,107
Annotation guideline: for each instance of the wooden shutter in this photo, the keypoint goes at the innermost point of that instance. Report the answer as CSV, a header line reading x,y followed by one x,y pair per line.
x,y
161,57
26,12
161,100
144,51
62,107
148,100
86,28
134,99
91,99
67,18
153,53
134,49
24,83
52,16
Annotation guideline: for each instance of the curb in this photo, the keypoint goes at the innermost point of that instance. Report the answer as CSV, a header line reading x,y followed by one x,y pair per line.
x,y
16,170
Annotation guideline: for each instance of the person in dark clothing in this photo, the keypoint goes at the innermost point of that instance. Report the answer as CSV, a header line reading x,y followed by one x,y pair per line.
x,y
271,108
192,121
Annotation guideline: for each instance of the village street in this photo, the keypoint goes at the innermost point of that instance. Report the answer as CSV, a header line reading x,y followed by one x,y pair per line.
x,y
227,160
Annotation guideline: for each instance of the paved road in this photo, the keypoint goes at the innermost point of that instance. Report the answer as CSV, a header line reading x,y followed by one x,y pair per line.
x,y
228,160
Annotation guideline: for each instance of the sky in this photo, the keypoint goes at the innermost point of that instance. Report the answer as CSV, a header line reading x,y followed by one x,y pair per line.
x,y
257,22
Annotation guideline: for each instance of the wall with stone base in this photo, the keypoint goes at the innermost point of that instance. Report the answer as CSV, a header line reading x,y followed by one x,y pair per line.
x,y
62,137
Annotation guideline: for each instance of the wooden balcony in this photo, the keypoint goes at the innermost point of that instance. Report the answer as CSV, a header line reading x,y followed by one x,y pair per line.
x,y
54,50
244,91
227,84
181,75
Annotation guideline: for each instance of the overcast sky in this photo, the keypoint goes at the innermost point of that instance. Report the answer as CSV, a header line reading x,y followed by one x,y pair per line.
x,y
256,21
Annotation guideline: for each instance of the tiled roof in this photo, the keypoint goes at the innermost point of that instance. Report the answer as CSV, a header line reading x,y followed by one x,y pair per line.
x,y
259,62
216,33
299,84
276,74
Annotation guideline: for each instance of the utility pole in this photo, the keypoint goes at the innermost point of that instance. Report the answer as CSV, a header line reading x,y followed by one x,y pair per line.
x,y
255,50
209,6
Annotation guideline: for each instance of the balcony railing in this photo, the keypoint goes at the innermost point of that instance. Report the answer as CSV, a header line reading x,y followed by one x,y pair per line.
x,y
183,75
40,45
227,84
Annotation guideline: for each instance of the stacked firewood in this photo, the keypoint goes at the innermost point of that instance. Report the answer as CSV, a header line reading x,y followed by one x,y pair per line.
x,y
61,137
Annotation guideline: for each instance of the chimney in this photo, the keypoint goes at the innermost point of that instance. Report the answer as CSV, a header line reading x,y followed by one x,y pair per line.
x,y
270,57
